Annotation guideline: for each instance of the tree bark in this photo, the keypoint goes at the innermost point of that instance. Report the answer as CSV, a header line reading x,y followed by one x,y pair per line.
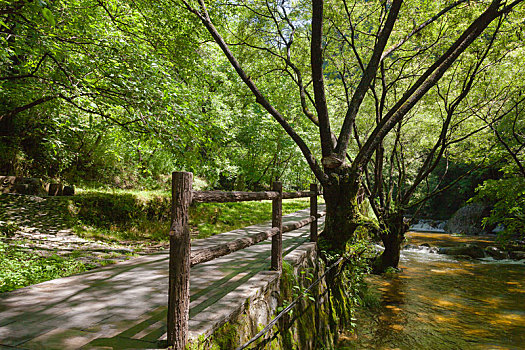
x,y
313,212
342,210
179,264
277,222
392,236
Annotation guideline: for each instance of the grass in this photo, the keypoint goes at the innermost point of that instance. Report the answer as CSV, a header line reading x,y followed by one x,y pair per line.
x,y
208,219
20,268
120,218
142,195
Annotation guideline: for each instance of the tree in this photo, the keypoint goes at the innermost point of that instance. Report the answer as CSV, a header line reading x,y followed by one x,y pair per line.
x,y
501,108
348,47
66,82
419,143
87,91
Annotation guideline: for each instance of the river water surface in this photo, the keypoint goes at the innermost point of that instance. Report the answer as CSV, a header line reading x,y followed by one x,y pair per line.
x,y
439,302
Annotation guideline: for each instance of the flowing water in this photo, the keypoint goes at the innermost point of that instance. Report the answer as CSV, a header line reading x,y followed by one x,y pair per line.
x,y
439,302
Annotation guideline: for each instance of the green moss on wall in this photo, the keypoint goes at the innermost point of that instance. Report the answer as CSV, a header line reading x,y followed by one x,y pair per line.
x,y
313,323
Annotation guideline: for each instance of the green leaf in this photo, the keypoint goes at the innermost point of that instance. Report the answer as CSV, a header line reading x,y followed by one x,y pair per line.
x,y
2,23
48,16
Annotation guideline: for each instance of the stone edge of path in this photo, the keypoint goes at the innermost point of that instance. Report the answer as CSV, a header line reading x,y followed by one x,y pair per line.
x,y
229,308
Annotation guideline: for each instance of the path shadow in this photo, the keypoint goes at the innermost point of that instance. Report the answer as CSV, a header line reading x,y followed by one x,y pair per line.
x,y
124,306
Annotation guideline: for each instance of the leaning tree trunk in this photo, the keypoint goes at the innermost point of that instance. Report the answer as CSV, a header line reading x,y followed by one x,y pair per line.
x,y
393,235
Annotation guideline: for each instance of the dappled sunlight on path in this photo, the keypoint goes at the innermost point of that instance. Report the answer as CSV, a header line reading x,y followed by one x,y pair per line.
x,y
124,305
43,229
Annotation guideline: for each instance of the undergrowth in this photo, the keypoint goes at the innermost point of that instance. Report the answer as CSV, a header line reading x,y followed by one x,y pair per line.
x,y
130,216
19,268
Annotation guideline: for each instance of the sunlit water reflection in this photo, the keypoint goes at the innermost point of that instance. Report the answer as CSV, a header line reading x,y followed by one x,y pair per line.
x,y
439,302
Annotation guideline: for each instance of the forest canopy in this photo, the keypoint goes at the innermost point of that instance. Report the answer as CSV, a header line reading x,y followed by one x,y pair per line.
x,y
121,94
416,105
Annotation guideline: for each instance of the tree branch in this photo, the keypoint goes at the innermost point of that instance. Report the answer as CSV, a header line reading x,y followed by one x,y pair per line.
x,y
316,57
30,105
426,81
368,76
421,27
259,97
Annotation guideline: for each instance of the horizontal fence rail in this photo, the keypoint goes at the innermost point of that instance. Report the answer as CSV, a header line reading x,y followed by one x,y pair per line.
x,y
181,257
300,194
238,196
207,254
224,197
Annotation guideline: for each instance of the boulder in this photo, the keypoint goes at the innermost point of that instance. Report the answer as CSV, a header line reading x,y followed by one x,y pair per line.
x,y
22,185
468,220
443,250
54,189
496,253
464,257
469,250
68,190
433,250
517,255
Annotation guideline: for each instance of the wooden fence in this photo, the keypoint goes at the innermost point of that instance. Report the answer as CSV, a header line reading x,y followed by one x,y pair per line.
x,y
181,257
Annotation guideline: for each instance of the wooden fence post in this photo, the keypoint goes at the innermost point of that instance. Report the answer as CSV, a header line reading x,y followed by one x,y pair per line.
x,y
179,265
313,212
277,221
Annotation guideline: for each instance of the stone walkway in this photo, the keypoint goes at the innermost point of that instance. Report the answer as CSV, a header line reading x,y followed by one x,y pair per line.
x,y
42,229
123,306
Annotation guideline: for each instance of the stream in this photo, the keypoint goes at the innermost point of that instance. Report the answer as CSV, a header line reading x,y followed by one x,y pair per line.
x,y
440,302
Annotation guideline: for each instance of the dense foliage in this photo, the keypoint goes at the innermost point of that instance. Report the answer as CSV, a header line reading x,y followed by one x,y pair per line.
x,y
122,93
124,98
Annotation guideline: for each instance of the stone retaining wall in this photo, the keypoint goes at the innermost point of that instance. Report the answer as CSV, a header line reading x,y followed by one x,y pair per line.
x,y
307,327
33,186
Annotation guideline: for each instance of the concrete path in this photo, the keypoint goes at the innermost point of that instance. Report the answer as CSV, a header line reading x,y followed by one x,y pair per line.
x,y
123,306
